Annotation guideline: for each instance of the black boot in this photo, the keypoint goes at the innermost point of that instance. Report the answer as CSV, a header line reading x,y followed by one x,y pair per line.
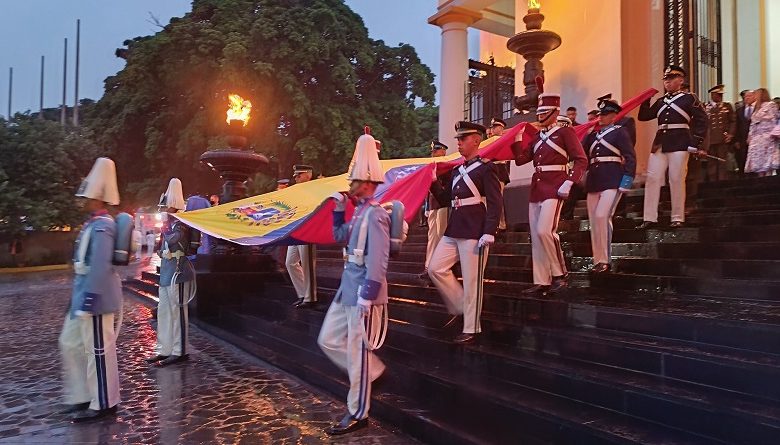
x,y
559,284
70,409
646,225
173,359
89,415
156,358
539,289
347,425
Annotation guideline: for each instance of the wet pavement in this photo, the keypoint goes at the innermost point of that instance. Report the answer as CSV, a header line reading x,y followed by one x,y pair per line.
x,y
221,396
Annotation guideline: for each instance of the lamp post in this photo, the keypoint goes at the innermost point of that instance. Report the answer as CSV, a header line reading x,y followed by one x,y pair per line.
x,y
532,44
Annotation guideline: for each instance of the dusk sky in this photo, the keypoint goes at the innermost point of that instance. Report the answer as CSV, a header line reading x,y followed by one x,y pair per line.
x,y
31,28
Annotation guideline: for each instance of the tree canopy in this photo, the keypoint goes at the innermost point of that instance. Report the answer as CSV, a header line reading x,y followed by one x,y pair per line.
x,y
314,77
41,166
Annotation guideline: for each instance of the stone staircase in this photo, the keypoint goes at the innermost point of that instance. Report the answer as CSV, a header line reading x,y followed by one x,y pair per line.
x,y
679,345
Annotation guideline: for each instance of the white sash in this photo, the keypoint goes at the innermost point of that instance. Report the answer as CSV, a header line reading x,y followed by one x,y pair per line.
x,y
600,140
669,103
80,266
544,138
359,251
464,174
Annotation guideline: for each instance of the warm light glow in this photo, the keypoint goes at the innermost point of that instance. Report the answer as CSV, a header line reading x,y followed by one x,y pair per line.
x,y
534,4
239,109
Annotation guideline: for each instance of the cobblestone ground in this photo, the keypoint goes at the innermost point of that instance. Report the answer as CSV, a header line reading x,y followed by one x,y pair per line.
x,y
221,396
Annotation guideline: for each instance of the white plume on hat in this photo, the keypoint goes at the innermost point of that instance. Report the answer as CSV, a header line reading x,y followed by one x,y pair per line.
x,y
100,183
365,164
174,196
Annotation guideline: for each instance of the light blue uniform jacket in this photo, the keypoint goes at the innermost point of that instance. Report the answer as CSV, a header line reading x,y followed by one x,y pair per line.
x,y
368,281
100,290
177,238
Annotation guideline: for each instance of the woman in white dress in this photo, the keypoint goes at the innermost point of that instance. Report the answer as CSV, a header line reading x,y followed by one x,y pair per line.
x,y
763,156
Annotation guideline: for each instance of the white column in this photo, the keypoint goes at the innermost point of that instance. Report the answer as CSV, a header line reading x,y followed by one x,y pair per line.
x,y
454,74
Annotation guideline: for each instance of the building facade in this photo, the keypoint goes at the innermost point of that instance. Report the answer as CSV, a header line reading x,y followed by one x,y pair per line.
x,y
612,46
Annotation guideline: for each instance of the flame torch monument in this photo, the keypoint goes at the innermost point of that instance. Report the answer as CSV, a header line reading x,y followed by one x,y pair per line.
x,y
235,164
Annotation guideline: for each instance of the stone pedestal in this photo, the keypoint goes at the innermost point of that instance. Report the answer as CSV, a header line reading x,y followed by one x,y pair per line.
x,y
224,280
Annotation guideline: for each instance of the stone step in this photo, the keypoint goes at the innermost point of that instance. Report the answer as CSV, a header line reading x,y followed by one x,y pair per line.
x,y
724,322
673,359
762,201
721,250
719,287
770,183
516,412
261,339
764,270
595,385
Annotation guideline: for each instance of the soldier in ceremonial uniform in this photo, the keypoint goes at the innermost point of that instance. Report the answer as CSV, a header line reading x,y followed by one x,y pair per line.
x,y
551,150
682,126
88,339
611,171
300,260
723,127
436,211
497,127
627,122
357,315
474,193
177,276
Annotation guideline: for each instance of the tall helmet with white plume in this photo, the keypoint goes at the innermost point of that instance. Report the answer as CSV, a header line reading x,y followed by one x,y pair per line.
x,y
365,165
174,196
100,183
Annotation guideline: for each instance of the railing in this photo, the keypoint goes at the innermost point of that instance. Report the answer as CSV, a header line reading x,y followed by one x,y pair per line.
x,y
489,92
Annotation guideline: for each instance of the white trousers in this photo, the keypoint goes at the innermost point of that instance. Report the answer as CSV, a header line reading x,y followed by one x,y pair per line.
x,y
300,265
545,243
437,225
601,207
466,299
88,350
341,339
173,319
677,164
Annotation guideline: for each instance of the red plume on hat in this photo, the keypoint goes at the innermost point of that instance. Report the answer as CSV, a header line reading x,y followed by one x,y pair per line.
x,y
539,80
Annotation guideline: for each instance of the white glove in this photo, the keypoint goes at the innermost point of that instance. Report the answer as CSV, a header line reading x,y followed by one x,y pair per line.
x,y
341,201
565,189
692,149
363,307
434,176
486,240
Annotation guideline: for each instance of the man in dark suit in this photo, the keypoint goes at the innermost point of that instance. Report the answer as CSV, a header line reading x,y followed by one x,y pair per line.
x,y
744,113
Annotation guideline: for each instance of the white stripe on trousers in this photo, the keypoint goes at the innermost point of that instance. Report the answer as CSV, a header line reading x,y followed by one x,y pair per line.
x,y
341,339
545,243
88,350
437,225
677,164
300,265
601,208
173,319
466,299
